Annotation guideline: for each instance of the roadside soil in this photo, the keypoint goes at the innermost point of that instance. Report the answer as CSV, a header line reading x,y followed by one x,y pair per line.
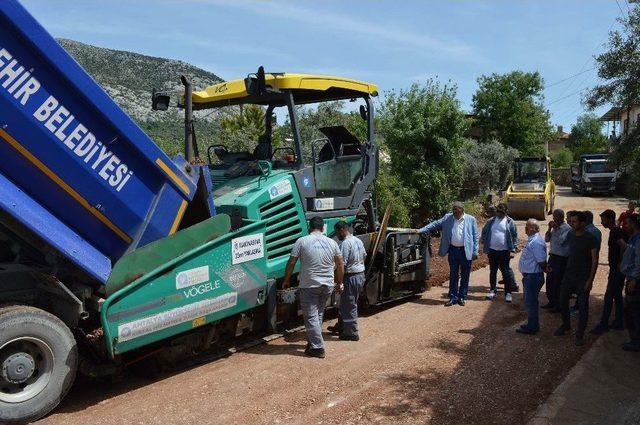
x,y
417,362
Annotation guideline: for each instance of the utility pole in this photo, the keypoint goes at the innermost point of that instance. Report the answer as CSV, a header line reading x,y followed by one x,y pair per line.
x,y
546,147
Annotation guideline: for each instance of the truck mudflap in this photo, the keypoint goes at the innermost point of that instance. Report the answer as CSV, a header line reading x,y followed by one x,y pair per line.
x,y
164,290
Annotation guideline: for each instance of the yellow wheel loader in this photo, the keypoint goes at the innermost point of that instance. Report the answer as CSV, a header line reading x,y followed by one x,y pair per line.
x,y
532,191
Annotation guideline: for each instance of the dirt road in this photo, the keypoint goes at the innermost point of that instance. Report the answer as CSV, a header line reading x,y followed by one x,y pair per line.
x,y
417,362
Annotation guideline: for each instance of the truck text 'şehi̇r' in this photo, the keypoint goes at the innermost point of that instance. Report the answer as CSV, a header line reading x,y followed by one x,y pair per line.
x,y
111,252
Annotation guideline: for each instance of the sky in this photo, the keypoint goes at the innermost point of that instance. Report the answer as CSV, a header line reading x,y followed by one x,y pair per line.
x,y
390,43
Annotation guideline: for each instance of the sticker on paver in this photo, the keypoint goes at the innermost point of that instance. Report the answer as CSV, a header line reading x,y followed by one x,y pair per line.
x,y
283,187
247,248
323,204
166,319
192,277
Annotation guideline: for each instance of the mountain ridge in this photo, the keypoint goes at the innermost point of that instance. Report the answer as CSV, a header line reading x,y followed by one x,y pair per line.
x,y
129,78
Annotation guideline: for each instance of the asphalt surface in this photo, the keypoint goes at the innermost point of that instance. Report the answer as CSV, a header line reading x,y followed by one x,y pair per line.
x,y
417,362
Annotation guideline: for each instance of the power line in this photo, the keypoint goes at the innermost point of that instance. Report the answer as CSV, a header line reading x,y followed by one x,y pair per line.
x,y
621,11
570,77
567,96
583,67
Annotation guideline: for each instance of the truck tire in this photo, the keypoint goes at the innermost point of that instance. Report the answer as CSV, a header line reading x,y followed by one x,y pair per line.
x,y
38,363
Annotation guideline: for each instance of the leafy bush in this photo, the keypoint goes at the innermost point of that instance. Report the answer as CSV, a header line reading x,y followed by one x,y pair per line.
x,y
627,155
240,129
423,130
561,158
390,191
487,166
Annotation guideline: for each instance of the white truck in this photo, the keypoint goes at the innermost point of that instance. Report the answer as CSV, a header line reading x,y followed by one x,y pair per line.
x,y
594,173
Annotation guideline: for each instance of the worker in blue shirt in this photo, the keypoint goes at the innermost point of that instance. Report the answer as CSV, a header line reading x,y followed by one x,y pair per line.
x,y
591,228
533,263
460,241
353,256
630,267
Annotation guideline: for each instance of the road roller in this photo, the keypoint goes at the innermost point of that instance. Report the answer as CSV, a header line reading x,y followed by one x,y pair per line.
x,y
532,191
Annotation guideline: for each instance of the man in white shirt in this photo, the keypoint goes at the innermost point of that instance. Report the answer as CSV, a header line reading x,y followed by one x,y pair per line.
x,y
460,242
533,263
321,269
500,242
556,235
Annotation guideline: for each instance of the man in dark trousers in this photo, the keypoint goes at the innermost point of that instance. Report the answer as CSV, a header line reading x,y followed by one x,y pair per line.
x,y
556,235
353,256
460,240
615,283
500,242
630,267
533,262
582,265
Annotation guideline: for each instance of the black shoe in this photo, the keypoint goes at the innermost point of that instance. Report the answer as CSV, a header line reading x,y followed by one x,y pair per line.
x,y
345,337
548,306
335,329
599,329
579,341
450,303
461,302
526,331
617,326
631,346
315,352
562,330
515,288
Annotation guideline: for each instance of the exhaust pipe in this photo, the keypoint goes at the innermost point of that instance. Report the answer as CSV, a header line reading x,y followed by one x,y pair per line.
x,y
188,120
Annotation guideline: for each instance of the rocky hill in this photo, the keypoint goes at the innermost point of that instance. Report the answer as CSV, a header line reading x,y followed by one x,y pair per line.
x,y
129,78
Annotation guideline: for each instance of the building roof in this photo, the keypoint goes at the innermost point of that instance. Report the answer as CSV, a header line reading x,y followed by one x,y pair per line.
x,y
612,114
306,89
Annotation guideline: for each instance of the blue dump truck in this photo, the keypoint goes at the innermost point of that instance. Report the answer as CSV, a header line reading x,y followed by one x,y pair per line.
x,y
111,252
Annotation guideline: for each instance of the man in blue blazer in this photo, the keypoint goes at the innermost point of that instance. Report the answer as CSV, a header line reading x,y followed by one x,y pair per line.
x,y
460,240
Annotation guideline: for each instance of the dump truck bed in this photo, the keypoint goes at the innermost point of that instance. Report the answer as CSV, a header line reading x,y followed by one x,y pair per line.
x,y
72,158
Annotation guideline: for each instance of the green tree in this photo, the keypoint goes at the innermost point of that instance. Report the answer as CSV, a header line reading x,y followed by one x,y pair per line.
x,y
619,70
423,131
240,128
627,155
561,158
509,108
487,166
586,136
619,66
